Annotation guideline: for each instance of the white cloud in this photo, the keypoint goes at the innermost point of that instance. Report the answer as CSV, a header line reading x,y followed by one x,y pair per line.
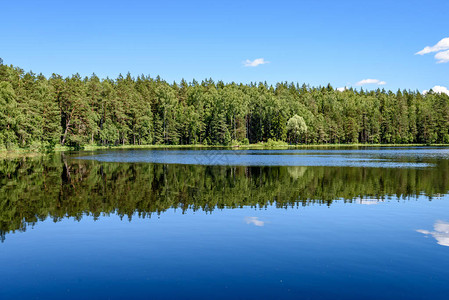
x,y
440,46
438,89
441,233
371,81
442,49
442,57
255,63
255,221
342,89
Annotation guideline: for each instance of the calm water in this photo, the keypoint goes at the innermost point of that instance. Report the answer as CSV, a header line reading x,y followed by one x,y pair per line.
x,y
226,224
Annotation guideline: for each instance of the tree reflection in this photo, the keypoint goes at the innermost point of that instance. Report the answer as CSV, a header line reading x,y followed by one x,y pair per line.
x,y
57,187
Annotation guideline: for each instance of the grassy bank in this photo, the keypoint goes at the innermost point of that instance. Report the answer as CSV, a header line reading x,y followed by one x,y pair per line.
x,y
101,147
18,153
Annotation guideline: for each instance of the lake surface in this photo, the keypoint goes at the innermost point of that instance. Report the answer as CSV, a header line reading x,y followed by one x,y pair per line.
x,y
226,224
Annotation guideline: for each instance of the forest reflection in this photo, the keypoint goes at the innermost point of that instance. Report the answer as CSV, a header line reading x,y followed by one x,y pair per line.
x,y
57,187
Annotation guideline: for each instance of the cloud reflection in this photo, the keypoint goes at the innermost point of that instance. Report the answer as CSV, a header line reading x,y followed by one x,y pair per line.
x,y
368,201
255,221
441,233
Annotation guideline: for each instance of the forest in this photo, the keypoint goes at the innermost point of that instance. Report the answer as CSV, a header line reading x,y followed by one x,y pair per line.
x,y
40,113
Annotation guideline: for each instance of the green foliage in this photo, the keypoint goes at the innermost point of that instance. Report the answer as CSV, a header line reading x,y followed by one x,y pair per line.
x,y
9,115
75,111
273,143
296,127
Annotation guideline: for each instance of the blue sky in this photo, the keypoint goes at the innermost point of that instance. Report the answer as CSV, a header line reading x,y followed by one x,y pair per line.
x,y
316,42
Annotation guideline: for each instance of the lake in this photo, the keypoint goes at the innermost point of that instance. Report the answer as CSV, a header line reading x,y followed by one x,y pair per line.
x,y
370,223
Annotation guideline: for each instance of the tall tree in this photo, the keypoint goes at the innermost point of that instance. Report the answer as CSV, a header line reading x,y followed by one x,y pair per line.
x,y
296,127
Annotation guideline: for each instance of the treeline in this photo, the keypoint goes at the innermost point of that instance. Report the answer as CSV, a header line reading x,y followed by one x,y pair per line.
x,y
56,187
36,111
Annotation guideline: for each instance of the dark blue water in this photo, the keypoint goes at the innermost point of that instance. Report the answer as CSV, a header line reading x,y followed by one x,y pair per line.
x,y
328,226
